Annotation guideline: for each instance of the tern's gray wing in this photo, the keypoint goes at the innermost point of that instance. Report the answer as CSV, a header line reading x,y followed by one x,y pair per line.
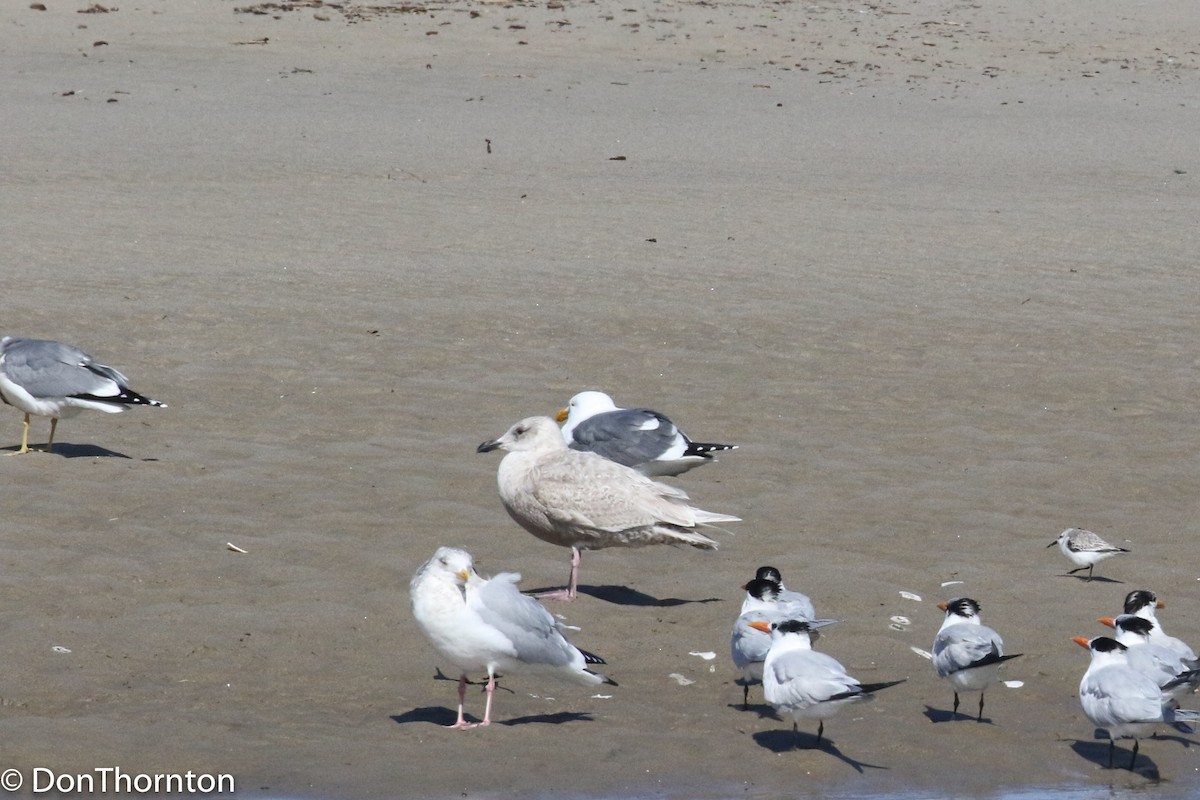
x,y
1159,663
1118,694
963,646
530,628
805,677
749,646
794,605
53,369
629,436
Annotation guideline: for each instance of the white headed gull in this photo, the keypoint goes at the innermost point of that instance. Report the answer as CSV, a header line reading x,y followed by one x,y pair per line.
x,y
481,624
1085,549
56,380
636,437
803,684
1124,702
586,502
966,651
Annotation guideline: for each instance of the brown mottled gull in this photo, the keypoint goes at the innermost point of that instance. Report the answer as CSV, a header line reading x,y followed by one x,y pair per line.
x,y
584,501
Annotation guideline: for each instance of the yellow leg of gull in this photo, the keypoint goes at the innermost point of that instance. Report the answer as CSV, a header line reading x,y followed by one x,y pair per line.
x,y
24,438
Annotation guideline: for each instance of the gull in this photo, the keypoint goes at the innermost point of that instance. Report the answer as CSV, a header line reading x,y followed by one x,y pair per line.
x,y
56,380
1161,664
482,624
636,437
966,651
586,502
1144,603
1085,549
804,684
1124,702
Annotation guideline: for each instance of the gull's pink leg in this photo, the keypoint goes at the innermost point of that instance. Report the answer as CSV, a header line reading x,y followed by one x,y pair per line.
x,y
462,724
487,708
576,557
571,591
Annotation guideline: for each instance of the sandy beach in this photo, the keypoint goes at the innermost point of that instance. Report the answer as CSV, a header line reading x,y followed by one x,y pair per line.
x,y
931,264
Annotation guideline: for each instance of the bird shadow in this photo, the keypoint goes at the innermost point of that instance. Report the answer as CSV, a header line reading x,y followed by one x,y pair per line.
x,y
763,710
438,715
445,717
1093,579
75,451
624,596
1097,753
783,741
557,718
942,715
438,675
1159,737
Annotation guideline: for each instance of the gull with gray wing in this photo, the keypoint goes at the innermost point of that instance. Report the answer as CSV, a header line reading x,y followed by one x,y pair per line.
x,y
51,379
482,624
636,437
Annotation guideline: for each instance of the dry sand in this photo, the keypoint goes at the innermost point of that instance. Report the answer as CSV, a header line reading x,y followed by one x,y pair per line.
x,y
932,264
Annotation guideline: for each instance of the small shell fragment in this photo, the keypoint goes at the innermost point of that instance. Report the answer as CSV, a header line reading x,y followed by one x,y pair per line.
x,y
910,596
922,653
951,583
234,548
707,656
58,648
899,620
1014,684
680,679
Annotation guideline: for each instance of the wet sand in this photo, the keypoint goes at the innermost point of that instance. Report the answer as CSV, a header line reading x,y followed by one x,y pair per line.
x,y
931,265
